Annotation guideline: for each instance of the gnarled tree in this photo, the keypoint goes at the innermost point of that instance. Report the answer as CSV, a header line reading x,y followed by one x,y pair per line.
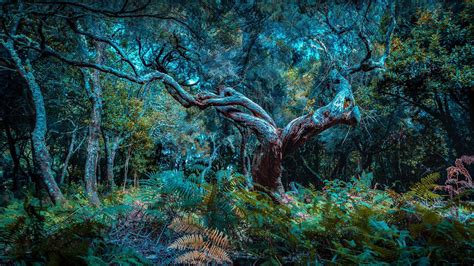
x,y
274,142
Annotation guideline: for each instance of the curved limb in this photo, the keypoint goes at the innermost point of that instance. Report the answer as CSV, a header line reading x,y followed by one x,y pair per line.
x,y
341,110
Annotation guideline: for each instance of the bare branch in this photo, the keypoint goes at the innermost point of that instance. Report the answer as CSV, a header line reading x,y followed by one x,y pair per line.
x,y
368,63
117,48
338,31
134,13
341,110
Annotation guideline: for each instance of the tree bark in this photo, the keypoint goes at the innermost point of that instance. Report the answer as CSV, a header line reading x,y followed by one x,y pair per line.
x,y
111,147
90,176
266,165
41,153
95,95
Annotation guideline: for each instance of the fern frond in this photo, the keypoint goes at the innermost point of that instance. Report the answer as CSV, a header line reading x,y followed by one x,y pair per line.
x,y
424,188
193,257
210,196
204,244
194,241
218,254
217,238
185,225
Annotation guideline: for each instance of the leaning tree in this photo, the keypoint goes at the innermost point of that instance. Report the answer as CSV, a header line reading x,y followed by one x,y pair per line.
x,y
274,142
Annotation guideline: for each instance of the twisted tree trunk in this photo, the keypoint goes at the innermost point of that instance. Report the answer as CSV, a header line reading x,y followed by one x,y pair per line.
x,y
41,153
275,143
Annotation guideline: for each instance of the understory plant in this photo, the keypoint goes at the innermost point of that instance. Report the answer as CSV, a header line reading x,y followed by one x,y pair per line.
x,y
219,219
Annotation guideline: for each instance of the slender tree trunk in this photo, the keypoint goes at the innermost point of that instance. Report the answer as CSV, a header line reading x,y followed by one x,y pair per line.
x,y
13,154
70,152
95,94
111,147
41,153
453,135
471,108
90,175
125,170
135,179
341,162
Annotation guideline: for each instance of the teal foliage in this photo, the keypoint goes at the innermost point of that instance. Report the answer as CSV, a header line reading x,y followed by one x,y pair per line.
x,y
210,197
74,234
352,223
347,222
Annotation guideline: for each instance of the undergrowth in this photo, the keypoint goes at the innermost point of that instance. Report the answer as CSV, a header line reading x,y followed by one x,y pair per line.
x,y
173,218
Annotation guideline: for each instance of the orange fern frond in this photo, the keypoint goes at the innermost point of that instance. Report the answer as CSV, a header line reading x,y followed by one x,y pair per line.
x,y
185,225
194,241
218,254
193,257
454,185
217,238
203,245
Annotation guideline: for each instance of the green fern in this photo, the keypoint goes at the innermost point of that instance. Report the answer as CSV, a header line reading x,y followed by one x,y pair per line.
x,y
423,189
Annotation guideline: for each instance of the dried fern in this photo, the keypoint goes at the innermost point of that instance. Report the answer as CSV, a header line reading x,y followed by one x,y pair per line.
x,y
201,245
459,179
186,225
192,257
194,241
217,238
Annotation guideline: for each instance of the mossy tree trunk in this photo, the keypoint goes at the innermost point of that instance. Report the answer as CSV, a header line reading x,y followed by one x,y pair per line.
x,y
40,150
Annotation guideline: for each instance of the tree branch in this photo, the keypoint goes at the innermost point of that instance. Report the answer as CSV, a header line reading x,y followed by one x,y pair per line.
x,y
341,110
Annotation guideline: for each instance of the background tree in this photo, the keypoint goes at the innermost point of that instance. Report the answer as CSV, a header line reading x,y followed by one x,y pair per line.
x,y
287,59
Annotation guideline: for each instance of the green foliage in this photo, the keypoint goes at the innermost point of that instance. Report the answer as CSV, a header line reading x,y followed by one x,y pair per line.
x,y
423,189
209,197
349,222
71,234
345,223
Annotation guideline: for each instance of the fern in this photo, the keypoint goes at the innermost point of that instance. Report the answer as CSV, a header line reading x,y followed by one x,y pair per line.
x,y
201,245
423,189
186,225
193,258
194,241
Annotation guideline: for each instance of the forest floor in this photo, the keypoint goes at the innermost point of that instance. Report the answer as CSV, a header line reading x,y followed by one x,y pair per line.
x,y
172,218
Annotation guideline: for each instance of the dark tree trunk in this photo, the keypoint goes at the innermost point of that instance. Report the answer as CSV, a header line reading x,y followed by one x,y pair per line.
x,y
41,153
338,170
69,154
453,135
274,146
267,165
471,108
13,154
